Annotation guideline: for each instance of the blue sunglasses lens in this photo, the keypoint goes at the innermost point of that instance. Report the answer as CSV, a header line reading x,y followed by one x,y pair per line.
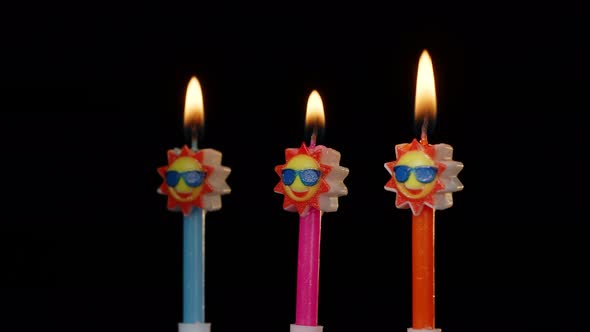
x,y
424,174
402,173
309,177
172,178
289,176
192,179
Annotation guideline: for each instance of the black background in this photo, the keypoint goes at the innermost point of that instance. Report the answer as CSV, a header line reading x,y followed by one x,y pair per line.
x,y
92,98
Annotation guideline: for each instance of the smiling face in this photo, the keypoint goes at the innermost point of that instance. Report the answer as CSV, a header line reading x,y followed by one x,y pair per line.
x,y
415,174
193,179
185,178
303,178
422,176
300,178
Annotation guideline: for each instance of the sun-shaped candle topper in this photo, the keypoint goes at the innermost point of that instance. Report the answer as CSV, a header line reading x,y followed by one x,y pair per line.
x,y
194,179
423,174
311,177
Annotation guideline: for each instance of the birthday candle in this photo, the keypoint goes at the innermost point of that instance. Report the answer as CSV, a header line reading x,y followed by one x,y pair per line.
x,y
194,181
424,176
312,181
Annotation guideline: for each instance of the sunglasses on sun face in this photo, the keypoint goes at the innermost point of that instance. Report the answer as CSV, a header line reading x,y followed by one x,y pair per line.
x,y
192,179
309,177
424,174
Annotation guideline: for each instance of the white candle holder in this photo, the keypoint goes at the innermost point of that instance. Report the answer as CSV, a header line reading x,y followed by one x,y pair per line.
x,y
194,327
303,328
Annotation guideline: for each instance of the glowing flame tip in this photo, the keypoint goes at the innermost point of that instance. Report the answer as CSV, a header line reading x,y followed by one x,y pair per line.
x,y
314,115
193,107
425,106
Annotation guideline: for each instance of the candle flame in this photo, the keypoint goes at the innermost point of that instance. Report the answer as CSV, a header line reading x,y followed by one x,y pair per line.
x,y
193,106
425,104
314,115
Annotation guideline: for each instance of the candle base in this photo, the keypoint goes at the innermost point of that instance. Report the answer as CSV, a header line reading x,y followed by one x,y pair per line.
x,y
304,328
194,327
423,330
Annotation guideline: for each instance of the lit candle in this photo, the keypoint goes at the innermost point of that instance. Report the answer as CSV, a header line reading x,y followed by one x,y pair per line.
x,y
311,181
194,181
424,176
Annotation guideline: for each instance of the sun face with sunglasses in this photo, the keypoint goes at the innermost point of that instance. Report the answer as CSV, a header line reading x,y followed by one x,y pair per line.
x,y
193,179
185,178
301,178
424,174
310,174
415,174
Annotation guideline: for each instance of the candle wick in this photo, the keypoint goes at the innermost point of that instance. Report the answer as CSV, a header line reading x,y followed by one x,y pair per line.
x,y
191,133
194,137
194,143
424,132
314,135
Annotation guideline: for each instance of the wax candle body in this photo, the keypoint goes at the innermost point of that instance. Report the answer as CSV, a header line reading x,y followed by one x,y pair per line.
x,y
423,269
193,266
308,266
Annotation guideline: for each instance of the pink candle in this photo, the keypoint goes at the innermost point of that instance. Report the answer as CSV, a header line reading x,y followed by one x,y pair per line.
x,y
308,267
311,181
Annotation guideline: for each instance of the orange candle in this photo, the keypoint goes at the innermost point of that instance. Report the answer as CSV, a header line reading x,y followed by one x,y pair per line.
x,y
424,176
423,269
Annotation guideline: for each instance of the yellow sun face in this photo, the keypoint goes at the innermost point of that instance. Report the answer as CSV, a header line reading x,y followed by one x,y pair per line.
x,y
412,185
193,179
185,178
300,178
424,174
305,177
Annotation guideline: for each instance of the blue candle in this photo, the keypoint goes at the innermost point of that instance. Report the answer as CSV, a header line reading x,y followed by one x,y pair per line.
x,y
193,279
194,181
